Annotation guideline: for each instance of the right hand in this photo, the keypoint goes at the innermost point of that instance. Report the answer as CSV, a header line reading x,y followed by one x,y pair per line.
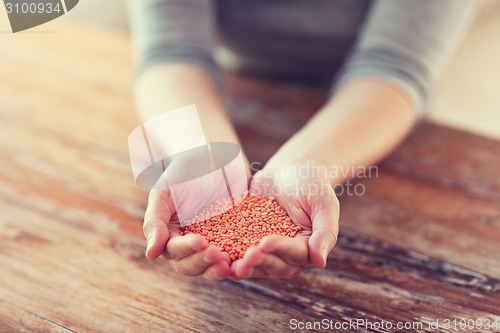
x,y
191,254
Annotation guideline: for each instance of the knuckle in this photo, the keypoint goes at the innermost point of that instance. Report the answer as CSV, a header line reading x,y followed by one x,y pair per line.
x,y
285,271
167,255
173,251
150,223
292,271
279,269
184,269
146,226
209,275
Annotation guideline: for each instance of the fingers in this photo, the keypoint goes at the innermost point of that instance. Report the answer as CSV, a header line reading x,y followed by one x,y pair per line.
x,y
217,271
200,262
257,263
293,251
256,272
156,218
325,232
193,256
179,247
241,269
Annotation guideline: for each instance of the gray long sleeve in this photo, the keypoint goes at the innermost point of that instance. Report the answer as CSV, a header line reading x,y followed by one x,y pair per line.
x,y
405,42
174,31
408,42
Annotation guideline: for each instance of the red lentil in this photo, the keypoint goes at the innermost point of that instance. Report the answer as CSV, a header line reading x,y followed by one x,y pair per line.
x,y
244,225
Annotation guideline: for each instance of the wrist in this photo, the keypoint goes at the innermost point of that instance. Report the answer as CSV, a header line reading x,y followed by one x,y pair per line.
x,y
289,161
169,86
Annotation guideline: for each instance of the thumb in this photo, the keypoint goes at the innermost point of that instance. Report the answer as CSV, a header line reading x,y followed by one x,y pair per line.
x,y
320,244
157,235
325,225
156,218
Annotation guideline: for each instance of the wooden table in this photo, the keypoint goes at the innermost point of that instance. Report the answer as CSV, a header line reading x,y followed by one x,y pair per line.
x,y
422,243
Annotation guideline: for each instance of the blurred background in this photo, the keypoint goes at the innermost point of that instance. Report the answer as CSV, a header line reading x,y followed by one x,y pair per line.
x,y
72,249
468,96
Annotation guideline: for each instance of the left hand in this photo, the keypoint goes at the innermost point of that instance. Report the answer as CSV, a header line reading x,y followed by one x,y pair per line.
x,y
310,201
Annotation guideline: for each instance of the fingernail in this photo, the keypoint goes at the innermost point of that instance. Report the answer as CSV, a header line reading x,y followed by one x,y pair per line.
x,y
324,253
148,244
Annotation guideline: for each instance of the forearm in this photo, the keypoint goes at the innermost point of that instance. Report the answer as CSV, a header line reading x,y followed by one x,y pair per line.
x,y
169,86
360,124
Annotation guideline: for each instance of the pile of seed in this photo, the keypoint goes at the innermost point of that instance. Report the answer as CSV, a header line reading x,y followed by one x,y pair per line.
x,y
244,225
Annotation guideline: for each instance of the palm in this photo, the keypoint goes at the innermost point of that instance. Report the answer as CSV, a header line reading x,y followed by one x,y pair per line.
x,y
311,203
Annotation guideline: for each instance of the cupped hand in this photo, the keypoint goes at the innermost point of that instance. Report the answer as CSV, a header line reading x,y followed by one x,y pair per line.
x,y
305,194
192,255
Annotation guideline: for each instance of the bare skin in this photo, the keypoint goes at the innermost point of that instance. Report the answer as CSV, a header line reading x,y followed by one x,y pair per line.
x,y
359,125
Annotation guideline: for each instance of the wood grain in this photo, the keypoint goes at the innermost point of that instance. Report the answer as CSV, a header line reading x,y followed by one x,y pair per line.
x,y
421,244
15,319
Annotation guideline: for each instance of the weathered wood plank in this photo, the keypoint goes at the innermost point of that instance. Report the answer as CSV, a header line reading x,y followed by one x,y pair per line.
x,y
412,213
451,159
355,277
87,280
368,278
422,242
437,194
17,320
67,83
436,221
